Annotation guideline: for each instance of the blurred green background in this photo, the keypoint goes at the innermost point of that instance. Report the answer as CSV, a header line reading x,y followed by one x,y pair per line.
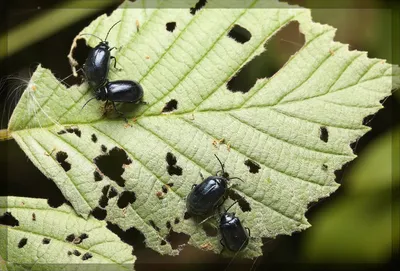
x,y
357,227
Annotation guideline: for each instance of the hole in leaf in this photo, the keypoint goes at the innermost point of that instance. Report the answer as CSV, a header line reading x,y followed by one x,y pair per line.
x,y
86,256
171,159
76,131
176,221
81,52
168,225
243,204
163,243
22,242
80,238
99,213
177,239
77,253
323,134
61,157
210,230
199,5
171,26
61,132
8,219
103,148
278,51
46,241
83,236
33,217
111,164
153,224
56,202
324,167
70,238
103,201
131,236
105,189
172,168
170,106
112,193
253,166
187,215
94,138
69,253
126,198
239,34
97,176
166,187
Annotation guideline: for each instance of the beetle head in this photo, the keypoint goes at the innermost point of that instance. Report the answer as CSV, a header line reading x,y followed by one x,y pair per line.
x,y
103,45
101,93
227,217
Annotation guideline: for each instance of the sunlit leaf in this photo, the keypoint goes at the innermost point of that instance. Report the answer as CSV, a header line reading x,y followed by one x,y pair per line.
x,y
38,237
285,137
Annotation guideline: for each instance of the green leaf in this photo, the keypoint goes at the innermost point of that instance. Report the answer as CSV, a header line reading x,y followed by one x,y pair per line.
x,y
45,238
377,167
361,226
296,125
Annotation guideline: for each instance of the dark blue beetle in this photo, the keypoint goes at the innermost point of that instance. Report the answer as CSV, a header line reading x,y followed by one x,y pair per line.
x,y
209,194
97,63
234,236
96,70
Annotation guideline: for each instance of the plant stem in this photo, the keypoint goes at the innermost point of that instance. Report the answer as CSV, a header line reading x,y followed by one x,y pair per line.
x,y
5,135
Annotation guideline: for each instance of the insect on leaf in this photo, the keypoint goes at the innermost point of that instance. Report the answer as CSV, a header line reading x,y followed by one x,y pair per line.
x,y
285,137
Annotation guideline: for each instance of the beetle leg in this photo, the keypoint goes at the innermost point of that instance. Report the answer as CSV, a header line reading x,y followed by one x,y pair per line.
x,y
193,186
201,176
115,63
119,112
142,102
205,220
236,178
222,244
105,108
248,230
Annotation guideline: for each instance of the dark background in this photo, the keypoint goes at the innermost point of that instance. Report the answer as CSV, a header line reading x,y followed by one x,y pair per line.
x,y
19,177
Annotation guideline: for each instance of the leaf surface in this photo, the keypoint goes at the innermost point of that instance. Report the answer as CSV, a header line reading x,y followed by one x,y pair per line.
x,y
285,137
44,238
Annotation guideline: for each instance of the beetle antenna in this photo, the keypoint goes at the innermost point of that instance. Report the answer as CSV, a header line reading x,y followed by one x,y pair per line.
x,y
226,210
87,34
88,102
236,178
222,165
111,28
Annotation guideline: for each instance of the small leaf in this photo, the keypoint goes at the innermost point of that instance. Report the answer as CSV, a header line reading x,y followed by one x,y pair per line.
x,y
42,236
296,125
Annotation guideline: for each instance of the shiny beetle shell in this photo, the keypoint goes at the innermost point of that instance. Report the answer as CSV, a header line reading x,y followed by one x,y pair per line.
x,y
234,236
207,196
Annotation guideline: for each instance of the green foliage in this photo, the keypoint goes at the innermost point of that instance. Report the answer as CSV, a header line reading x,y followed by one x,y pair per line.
x,y
360,226
296,125
48,238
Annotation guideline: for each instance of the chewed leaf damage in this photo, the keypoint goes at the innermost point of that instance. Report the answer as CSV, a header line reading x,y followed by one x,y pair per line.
x,y
284,133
